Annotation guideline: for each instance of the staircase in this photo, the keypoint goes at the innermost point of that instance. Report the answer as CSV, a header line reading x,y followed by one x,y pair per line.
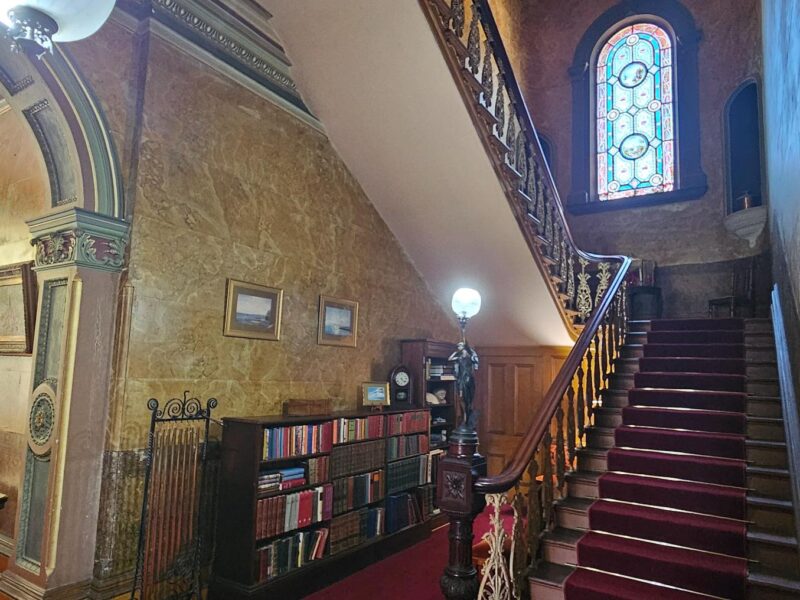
x,y
682,488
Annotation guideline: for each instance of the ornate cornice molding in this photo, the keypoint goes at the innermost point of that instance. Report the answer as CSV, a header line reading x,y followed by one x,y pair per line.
x,y
229,37
79,238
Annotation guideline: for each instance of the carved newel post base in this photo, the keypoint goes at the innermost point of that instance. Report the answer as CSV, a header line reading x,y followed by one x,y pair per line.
x,y
457,472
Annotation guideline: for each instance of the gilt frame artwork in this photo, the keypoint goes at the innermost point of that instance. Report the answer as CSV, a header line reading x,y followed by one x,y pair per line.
x,y
253,311
338,322
17,308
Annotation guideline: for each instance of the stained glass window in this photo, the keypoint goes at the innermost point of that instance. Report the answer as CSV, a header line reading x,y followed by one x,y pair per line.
x,y
635,116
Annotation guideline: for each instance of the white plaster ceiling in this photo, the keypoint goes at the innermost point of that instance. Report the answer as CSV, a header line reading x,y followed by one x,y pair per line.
x,y
372,72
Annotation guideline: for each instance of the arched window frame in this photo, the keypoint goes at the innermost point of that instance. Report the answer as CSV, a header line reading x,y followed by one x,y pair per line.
x,y
690,181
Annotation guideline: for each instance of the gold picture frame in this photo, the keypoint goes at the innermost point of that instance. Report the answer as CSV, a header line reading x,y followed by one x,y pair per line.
x,y
375,393
338,322
17,308
253,311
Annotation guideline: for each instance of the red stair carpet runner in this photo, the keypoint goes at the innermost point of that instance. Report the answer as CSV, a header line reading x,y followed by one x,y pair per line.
x,y
672,505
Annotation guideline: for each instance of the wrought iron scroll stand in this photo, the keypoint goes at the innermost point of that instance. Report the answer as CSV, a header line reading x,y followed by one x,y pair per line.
x,y
174,485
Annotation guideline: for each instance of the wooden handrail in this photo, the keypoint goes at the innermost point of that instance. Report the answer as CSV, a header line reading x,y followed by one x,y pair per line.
x,y
522,457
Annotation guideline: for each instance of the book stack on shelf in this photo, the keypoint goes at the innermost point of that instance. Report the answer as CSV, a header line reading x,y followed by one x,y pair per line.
x,y
441,371
303,495
356,429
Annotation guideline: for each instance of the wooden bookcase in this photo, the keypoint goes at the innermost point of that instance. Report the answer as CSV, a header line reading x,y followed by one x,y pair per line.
x,y
237,566
424,359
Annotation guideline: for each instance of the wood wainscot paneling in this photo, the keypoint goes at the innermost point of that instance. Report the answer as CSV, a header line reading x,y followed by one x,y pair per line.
x,y
511,384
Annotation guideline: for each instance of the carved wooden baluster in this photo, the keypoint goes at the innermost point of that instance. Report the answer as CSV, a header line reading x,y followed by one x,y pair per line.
x,y
562,267
530,183
560,458
596,370
583,300
535,522
602,339
612,327
548,231
581,408
571,435
487,75
540,212
547,477
590,389
500,105
511,141
457,16
555,249
571,276
474,43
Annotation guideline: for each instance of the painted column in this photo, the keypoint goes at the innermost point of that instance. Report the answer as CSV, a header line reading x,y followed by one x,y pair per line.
x,y
78,258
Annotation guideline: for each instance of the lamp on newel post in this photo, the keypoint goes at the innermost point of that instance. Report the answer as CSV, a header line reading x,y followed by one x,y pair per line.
x,y
33,25
462,465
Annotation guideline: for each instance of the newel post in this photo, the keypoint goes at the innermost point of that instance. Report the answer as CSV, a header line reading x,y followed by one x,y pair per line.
x,y
457,474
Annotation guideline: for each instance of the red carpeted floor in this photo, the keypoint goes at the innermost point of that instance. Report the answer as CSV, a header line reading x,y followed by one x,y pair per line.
x,y
413,573
673,502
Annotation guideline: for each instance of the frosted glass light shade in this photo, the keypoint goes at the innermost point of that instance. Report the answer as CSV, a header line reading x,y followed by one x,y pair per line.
x,y
466,302
76,19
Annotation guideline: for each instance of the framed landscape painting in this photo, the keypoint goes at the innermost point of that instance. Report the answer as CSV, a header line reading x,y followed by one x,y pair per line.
x,y
253,311
338,322
375,393
17,308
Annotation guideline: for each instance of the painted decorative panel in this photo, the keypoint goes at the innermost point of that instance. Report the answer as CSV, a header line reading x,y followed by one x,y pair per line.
x,y
635,118
51,331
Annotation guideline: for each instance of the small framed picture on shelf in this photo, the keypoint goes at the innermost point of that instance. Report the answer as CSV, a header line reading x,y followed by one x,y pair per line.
x,y
338,322
375,393
253,311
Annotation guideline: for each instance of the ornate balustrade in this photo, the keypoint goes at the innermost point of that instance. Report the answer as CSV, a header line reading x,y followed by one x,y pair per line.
x,y
589,290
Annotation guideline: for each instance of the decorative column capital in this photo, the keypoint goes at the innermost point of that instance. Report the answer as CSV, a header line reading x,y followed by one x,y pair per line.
x,y
75,237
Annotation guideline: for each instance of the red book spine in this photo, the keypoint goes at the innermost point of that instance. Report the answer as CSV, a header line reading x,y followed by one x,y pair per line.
x,y
288,485
305,508
327,436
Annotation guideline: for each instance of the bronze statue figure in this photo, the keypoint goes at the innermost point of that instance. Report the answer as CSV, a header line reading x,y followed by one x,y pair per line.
x,y
465,361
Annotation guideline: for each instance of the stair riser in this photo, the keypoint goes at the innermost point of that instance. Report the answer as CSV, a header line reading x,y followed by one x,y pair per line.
x,y
756,592
599,439
763,388
638,326
572,519
759,354
615,399
542,591
773,432
753,326
621,381
769,485
767,457
626,367
592,462
777,558
582,489
767,371
634,337
632,351
764,408
560,554
769,519
608,419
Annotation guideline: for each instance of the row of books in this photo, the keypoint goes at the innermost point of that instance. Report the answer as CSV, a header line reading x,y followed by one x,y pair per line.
x,y
426,496
353,458
407,473
357,490
407,422
357,428
434,458
297,440
317,469
354,528
279,514
406,445
402,510
289,553
443,372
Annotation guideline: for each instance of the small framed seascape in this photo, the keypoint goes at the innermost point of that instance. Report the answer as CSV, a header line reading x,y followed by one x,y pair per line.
x,y
338,322
253,311
375,393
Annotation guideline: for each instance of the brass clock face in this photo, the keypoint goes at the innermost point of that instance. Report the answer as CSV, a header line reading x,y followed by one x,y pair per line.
x,y
401,378
400,385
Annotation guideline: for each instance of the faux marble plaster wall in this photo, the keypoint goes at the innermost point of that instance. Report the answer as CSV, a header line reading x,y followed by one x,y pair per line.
x,y
782,123
23,191
230,186
542,47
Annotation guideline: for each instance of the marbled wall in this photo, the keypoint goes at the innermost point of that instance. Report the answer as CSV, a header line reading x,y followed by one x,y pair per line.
x,y
542,45
23,194
230,186
781,21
